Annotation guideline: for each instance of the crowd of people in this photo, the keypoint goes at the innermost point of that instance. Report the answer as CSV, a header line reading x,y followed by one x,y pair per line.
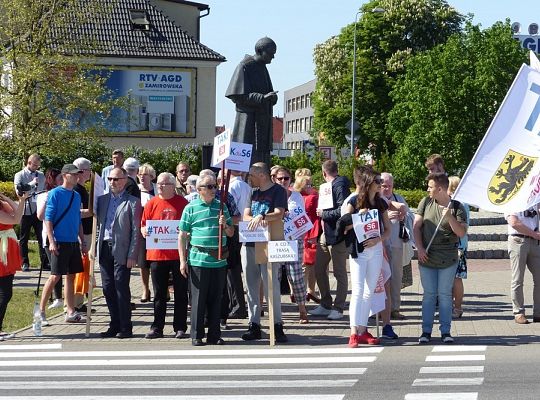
x,y
213,284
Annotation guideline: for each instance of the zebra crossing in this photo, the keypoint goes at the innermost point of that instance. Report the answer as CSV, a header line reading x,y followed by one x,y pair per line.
x,y
42,372
452,370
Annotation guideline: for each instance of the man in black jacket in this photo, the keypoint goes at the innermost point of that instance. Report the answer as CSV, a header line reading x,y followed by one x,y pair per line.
x,y
329,247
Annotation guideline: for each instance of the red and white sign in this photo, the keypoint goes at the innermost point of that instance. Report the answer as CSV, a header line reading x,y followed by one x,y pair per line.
x,y
296,224
239,158
222,147
366,225
325,197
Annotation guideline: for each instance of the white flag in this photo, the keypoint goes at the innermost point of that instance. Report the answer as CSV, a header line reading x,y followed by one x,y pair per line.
x,y
503,175
535,63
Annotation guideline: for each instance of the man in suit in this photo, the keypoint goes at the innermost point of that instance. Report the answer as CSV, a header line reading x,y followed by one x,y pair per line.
x,y
119,218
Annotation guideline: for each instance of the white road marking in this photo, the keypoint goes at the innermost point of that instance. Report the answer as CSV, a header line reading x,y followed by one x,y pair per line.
x,y
198,353
453,348
177,384
185,361
461,357
188,397
441,396
448,381
188,373
51,346
471,369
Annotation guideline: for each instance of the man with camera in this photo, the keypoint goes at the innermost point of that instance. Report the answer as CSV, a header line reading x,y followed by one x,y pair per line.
x,y
30,180
524,251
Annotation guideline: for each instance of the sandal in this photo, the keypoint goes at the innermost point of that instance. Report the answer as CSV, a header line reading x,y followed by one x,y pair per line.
x,y
309,297
457,313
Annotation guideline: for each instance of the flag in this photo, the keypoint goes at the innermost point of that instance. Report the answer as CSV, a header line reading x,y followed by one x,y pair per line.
x,y
535,63
504,174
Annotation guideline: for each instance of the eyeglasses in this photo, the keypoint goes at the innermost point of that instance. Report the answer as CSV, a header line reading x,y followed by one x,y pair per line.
x,y
283,178
111,179
209,186
378,181
165,184
81,171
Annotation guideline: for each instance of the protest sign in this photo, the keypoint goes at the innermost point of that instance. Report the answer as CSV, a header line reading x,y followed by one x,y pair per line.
x,y
260,234
366,225
296,223
325,197
282,251
162,234
239,158
222,147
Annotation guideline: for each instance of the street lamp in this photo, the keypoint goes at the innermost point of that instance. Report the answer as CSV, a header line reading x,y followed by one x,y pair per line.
x,y
376,10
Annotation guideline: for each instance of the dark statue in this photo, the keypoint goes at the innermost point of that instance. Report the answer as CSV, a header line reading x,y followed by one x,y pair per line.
x,y
251,90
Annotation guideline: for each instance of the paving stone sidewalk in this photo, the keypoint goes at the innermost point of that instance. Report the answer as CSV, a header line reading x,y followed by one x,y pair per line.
x,y
487,316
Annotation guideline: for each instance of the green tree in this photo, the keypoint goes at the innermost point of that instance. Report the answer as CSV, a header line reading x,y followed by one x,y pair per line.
x,y
49,99
447,98
384,43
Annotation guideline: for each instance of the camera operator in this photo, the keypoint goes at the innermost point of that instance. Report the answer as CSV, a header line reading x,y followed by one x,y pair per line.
x,y
30,180
524,251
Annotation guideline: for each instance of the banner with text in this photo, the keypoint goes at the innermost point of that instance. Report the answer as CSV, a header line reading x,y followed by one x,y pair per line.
x,y
162,234
296,223
282,251
239,158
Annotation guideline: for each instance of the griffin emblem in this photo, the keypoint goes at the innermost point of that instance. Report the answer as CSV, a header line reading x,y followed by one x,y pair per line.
x,y
510,176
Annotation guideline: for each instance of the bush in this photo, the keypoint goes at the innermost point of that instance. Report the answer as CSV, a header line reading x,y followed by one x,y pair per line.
x,y
303,160
412,197
166,159
6,188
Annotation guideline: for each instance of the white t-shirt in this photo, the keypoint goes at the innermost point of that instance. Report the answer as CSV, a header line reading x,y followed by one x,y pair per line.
x,y
529,222
241,192
41,204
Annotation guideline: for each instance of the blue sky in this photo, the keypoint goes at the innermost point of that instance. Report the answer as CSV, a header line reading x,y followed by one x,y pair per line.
x,y
233,27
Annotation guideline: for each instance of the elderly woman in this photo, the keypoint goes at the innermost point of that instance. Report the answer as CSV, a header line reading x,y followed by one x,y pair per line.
x,y
146,175
302,184
10,255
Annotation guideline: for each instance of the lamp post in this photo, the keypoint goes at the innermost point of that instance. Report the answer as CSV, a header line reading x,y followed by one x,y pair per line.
x,y
376,10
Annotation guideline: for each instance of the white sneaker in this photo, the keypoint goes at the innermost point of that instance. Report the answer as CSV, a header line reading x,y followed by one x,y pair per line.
x,y
57,303
320,310
335,315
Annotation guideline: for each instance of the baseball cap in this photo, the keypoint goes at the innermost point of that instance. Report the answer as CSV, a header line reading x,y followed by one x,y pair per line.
x,y
70,169
131,163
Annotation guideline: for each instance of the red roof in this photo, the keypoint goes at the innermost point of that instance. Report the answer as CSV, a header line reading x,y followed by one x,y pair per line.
x,y
277,128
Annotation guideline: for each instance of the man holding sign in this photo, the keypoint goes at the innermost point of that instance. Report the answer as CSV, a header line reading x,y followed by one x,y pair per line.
x,y
268,203
167,205
329,248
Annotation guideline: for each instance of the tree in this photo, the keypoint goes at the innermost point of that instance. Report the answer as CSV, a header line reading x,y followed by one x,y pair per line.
x,y
49,98
447,98
384,43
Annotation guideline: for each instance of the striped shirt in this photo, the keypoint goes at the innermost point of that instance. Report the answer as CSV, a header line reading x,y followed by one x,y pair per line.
x,y
201,221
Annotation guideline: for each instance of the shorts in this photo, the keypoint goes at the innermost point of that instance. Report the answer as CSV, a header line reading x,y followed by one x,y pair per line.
x,y
69,259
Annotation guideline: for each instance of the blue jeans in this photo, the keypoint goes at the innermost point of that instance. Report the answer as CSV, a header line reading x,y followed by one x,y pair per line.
x,y
437,282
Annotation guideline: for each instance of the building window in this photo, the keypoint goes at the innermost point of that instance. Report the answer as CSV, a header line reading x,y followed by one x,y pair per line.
x,y
302,125
298,103
297,126
302,102
289,105
308,100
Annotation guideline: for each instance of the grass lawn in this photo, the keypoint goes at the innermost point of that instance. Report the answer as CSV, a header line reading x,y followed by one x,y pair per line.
x,y
20,308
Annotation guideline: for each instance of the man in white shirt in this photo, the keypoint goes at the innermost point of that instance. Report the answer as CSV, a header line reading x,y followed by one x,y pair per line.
x,y
117,162
524,251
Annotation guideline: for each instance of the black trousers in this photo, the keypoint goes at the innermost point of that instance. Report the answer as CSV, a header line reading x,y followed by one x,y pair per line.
x,y
27,223
6,292
206,293
115,281
236,300
160,271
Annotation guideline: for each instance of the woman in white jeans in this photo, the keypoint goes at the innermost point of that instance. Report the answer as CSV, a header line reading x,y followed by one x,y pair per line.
x,y
366,257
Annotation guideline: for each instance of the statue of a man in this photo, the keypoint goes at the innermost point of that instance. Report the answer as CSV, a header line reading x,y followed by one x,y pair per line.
x,y
251,90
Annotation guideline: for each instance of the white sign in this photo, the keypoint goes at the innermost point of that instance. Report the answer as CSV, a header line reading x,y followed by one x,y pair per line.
x,y
162,234
504,174
325,196
260,234
222,146
239,159
99,190
296,223
282,251
366,225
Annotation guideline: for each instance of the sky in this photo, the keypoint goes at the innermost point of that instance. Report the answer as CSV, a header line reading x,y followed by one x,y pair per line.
x,y
233,27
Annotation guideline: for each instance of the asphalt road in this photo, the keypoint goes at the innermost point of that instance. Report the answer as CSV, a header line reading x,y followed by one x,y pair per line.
x,y
502,369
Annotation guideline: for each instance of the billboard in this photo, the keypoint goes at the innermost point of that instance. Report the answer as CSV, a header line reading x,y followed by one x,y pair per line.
x,y
529,42
161,102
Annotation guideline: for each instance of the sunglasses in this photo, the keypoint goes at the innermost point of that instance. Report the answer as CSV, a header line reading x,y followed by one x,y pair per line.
x,y
283,178
378,181
209,187
111,179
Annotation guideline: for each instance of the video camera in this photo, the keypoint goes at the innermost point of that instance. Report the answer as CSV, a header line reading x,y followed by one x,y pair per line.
x,y
24,188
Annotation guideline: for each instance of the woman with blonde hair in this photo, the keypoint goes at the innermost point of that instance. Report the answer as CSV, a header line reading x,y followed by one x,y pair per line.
x,y
146,175
461,273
